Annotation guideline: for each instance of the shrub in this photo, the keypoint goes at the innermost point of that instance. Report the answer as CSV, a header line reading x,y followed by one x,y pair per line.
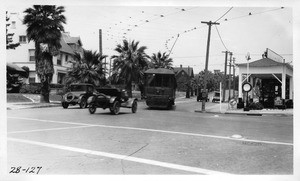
x,y
33,88
256,106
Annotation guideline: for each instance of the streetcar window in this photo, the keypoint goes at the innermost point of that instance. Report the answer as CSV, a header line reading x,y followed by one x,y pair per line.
x,y
158,80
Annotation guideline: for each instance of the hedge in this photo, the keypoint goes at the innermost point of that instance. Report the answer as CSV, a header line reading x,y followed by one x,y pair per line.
x,y
35,88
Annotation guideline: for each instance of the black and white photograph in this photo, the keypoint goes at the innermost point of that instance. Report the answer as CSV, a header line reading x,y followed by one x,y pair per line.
x,y
149,88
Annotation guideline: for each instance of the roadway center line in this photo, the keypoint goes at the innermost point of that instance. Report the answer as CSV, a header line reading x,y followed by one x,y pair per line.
x,y
155,130
50,129
121,157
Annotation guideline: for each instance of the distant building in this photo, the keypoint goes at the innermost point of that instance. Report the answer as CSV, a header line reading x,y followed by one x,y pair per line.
x,y
271,78
24,55
183,76
217,71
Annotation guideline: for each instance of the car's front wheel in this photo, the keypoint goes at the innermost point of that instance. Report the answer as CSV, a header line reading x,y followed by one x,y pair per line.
x,y
83,103
134,106
92,108
115,109
65,105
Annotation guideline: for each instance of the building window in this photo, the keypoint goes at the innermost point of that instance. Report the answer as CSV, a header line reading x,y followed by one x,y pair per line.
x,y
13,25
31,79
67,58
60,78
22,39
31,55
59,59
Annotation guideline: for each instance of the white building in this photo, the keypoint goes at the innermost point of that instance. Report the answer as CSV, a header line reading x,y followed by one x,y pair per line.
x,y
274,75
23,55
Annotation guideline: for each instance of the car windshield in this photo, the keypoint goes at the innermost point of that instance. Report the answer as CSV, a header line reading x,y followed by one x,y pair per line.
x,y
217,94
77,88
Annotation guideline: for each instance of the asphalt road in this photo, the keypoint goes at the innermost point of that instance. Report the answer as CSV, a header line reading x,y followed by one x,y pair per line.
x,y
179,141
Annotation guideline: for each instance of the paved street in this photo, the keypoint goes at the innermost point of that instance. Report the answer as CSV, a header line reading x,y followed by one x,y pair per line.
x,y
179,141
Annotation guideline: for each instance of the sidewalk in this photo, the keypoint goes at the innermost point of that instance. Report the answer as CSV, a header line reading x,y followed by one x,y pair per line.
x,y
30,105
226,110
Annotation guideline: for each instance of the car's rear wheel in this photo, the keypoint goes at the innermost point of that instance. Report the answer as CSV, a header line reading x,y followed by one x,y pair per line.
x,y
134,106
169,106
92,108
83,103
65,105
115,109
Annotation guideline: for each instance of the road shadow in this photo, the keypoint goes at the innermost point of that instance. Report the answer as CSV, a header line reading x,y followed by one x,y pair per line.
x,y
173,108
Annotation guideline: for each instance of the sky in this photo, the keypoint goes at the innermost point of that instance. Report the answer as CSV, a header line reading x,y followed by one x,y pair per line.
x,y
241,30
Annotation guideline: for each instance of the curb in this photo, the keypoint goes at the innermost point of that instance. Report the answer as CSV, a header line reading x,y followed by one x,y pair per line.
x,y
247,113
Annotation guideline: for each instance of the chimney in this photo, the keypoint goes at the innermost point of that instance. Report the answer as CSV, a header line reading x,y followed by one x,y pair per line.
x,y
180,66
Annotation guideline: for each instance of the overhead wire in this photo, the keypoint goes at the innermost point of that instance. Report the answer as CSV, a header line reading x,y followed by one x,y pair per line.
x,y
218,30
224,14
249,14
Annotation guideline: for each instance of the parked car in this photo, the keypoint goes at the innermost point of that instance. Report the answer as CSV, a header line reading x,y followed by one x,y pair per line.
x,y
201,95
112,98
216,96
78,94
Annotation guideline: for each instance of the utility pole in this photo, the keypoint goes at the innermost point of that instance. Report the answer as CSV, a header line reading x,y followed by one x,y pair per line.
x,y
100,41
233,67
206,62
109,71
229,78
225,72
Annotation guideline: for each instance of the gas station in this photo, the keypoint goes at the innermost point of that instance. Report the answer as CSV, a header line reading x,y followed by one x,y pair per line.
x,y
268,81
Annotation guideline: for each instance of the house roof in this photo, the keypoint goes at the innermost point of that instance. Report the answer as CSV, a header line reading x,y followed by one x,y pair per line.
x,y
74,40
71,40
159,71
188,70
264,62
65,47
13,68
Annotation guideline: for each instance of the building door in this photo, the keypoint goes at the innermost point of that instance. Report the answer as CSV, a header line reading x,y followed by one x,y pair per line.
x,y
271,88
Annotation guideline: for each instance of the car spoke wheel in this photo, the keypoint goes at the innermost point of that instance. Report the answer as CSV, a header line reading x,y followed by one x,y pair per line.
x,y
92,108
115,109
134,106
69,97
65,105
83,103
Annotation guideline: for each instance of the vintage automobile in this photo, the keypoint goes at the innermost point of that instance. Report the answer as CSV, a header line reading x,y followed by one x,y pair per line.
x,y
201,95
78,94
112,98
215,96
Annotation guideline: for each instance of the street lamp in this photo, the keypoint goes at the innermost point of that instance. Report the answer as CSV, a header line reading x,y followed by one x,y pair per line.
x,y
248,58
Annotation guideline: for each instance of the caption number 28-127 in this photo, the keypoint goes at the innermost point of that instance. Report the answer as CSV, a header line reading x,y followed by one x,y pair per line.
x,y
32,170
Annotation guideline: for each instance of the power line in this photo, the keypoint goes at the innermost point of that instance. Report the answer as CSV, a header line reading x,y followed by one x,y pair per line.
x,y
221,38
173,45
224,14
251,14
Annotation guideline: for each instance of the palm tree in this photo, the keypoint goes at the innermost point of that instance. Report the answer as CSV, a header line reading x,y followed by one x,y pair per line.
x,y
130,63
160,60
44,27
87,69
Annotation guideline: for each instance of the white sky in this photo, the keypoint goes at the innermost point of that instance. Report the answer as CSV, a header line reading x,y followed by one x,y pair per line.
x,y
241,33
